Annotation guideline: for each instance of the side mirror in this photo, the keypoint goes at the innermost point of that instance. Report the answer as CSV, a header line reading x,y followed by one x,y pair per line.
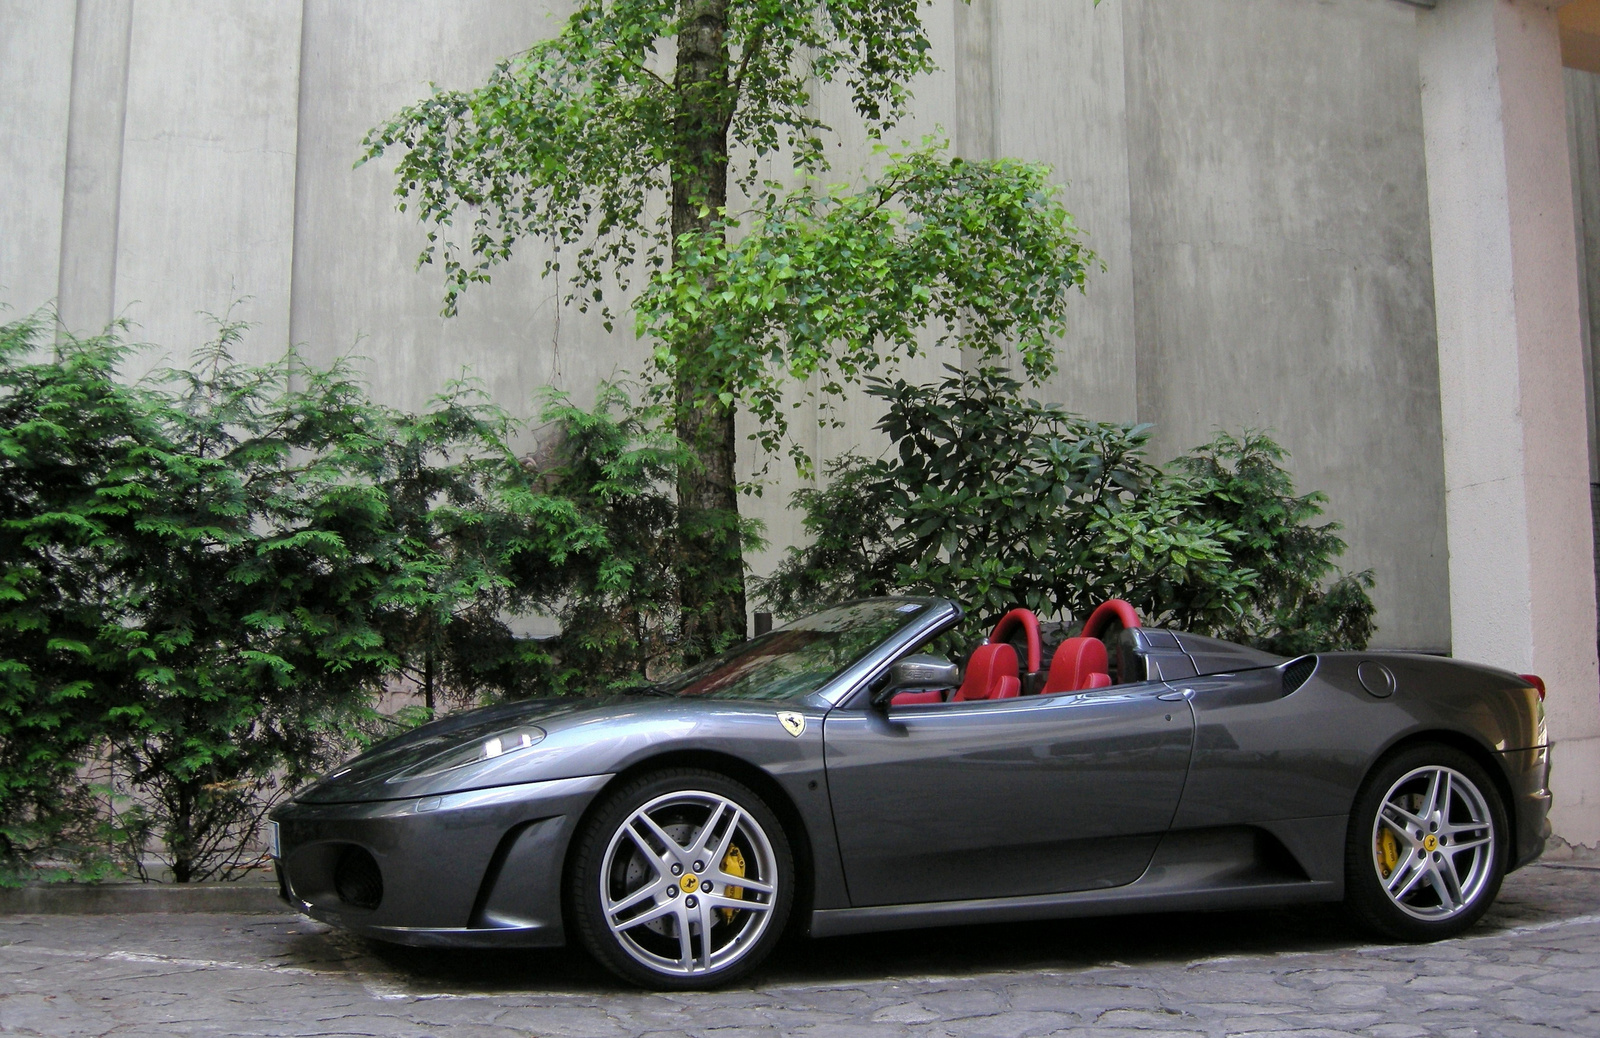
x,y
922,671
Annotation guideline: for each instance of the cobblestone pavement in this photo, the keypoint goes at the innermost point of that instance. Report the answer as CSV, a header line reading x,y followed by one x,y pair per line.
x,y
1532,967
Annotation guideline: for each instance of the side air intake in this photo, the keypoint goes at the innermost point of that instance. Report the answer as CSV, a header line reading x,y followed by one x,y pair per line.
x,y
357,878
1298,672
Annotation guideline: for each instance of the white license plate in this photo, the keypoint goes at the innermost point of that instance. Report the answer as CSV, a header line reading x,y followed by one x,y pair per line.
x,y
273,846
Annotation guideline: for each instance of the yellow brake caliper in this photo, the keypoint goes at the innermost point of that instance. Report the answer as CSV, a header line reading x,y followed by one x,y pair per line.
x,y
732,865
1388,853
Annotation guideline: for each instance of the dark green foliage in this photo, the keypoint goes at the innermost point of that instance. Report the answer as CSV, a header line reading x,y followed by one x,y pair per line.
x,y
997,500
209,577
69,437
616,606
1294,607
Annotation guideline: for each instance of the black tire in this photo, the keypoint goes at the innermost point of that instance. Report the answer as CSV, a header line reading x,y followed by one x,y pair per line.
x,y
1425,872
663,916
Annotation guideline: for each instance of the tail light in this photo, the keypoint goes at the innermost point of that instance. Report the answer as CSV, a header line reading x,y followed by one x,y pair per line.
x,y
1535,682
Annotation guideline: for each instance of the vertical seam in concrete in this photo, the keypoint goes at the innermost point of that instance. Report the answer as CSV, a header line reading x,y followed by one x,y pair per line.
x,y
83,24
122,147
66,162
1511,235
296,202
970,110
992,75
1133,228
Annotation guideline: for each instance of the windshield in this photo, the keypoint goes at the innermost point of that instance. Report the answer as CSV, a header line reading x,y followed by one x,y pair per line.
x,y
797,659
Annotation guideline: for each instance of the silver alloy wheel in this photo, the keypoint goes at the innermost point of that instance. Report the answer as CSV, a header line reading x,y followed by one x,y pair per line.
x,y
670,887
1440,844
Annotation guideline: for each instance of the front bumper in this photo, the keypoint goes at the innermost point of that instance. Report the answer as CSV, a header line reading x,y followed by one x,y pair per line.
x,y
1528,772
474,869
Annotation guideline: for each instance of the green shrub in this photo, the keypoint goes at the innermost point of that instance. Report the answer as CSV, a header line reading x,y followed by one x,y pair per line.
x,y
69,435
997,500
1300,602
213,574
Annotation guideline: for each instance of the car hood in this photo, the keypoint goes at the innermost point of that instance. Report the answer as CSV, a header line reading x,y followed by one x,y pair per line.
x,y
582,737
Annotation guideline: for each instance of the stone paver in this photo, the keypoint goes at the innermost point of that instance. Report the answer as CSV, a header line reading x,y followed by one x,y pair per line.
x,y
1531,968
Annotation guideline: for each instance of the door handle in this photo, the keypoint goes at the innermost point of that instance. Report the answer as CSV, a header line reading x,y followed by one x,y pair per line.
x,y
1177,694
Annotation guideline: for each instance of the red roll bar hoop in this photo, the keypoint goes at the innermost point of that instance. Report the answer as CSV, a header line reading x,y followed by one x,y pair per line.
x,y
1030,626
1113,610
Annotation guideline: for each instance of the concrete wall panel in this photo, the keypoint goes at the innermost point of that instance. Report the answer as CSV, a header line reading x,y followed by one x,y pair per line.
x,y
89,212
1512,371
1059,81
35,90
1282,264
208,167
356,287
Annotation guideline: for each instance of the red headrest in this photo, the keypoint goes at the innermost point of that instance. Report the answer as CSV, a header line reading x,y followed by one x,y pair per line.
x,y
988,665
1077,662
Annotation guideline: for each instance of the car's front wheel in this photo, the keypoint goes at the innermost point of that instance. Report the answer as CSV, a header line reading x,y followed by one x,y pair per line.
x,y
681,879
1427,844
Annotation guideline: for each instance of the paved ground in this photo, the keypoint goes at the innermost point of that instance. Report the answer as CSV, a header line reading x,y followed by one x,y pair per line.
x,y
1531,968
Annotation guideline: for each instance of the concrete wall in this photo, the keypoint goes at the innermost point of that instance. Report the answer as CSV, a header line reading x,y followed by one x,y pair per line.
x,y
1262,211
1281,264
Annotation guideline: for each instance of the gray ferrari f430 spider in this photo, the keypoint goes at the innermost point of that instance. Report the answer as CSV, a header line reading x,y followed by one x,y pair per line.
x,y
834,777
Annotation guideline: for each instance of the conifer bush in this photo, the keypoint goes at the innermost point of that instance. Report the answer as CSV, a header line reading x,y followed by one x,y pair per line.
x,y
209,576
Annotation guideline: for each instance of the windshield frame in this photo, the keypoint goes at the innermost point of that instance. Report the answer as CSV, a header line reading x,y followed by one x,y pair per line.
x,y
682,686
849,687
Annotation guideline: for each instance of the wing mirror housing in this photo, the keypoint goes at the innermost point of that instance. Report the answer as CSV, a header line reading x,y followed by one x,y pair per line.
x,y
922,671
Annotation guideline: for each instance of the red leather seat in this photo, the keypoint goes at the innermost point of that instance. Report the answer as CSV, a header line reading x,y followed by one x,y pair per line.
x,y
991,674
1079,663
917,698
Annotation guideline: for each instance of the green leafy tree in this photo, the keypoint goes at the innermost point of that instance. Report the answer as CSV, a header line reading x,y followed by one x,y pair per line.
x,y
618,142
998,500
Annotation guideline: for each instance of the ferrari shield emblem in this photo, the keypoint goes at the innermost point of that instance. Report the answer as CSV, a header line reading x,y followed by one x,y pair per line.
x,y
793,722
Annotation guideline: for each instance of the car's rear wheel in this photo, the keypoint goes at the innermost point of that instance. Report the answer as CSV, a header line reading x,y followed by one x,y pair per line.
x,y
1427,847
681,879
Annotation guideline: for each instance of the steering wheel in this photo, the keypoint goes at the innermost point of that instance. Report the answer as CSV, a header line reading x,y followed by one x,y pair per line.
x,y
1030,627
1106,613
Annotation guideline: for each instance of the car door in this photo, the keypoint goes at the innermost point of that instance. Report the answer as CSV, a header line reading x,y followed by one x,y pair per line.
x,y
1031,795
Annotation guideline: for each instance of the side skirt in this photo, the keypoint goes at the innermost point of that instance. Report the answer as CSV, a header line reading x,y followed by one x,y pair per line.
x,y
1203,870
834,922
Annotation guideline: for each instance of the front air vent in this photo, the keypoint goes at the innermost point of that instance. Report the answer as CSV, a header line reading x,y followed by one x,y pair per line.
x,y
1298,672
357,878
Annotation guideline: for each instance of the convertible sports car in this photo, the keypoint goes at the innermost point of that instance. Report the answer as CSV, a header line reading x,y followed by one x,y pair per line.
x,y
833,777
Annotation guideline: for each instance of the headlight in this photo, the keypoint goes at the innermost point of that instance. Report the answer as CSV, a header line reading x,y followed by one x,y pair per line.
x,y
480,749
